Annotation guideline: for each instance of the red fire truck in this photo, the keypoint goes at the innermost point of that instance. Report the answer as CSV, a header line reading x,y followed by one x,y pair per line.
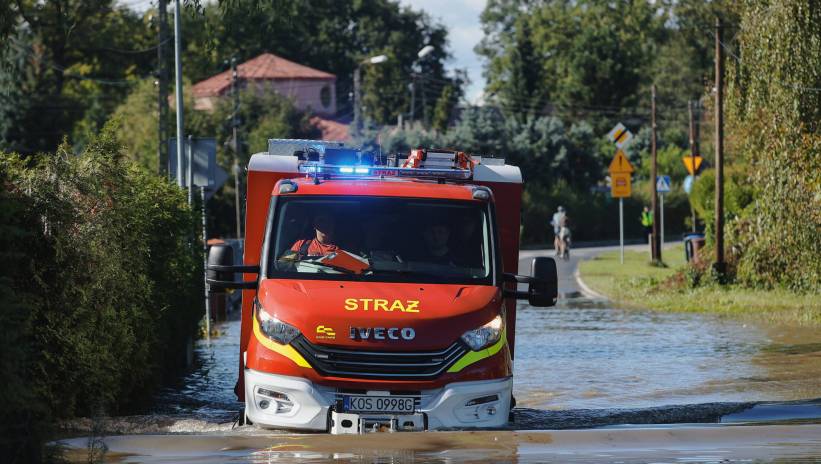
x,y
379,294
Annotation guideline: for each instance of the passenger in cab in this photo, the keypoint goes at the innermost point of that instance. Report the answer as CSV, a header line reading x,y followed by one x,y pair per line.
x,y
436,236
467,243
323,242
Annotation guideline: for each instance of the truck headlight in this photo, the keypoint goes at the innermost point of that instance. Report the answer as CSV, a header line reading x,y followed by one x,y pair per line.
x,y
486,335
273,328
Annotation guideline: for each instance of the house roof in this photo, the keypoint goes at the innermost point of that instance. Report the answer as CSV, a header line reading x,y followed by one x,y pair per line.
x,y
264,67
331,129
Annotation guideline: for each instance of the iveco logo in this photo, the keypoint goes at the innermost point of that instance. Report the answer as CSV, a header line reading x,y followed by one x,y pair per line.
x,y
382,333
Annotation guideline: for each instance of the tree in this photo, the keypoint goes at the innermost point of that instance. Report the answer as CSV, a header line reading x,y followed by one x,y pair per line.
x,y
444,107
773,112
79,56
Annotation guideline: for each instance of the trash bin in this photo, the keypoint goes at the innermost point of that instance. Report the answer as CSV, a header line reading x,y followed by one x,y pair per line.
x,y
692,243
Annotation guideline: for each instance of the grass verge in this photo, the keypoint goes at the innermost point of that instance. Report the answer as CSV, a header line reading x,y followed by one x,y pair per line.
x,y
638,284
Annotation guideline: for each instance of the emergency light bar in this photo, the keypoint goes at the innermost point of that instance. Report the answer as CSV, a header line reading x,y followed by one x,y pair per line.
x,y
331,170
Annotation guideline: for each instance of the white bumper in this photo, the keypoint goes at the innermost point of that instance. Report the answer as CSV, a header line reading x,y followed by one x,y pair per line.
x,y
297,403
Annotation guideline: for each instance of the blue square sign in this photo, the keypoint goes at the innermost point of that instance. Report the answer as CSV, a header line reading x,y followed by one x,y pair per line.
x,y
662,184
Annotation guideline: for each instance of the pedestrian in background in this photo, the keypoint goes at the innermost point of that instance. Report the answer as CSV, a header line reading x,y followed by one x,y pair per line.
x,y
647,223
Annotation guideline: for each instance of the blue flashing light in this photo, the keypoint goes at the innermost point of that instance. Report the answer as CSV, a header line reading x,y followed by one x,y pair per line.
x,y
346,170
361,170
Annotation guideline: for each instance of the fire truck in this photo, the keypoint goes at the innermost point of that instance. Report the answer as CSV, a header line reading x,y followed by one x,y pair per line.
x,y
379,293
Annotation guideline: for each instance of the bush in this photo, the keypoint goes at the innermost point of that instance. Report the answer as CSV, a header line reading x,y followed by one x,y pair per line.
x,y
105,284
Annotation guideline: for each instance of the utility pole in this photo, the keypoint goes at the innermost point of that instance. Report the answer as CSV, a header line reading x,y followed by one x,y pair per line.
x,y
693,153
235,125
357,96
413,99
178,61
655,247
719,119
424,106
357,91
162,94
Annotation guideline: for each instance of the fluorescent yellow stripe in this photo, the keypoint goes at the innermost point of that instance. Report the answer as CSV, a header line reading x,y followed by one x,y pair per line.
x,y
285,350
476,356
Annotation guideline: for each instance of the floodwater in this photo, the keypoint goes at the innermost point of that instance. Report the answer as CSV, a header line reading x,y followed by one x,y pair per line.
x,y
580,365
585,355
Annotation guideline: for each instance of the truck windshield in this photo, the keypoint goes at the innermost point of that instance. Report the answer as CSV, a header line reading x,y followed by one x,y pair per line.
x,y
381,239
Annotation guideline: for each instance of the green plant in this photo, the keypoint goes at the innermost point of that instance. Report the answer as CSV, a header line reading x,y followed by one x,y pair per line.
x,y
105,284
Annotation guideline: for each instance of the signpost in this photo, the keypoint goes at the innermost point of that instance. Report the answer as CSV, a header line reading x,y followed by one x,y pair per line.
x,y
620,179
662,187
199,169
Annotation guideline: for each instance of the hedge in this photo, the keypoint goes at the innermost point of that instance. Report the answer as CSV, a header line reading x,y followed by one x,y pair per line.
x,y
99,292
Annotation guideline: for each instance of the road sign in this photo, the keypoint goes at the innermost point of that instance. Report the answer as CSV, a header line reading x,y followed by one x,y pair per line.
x,y
692,163
620,135
620,163
662,184
688,184
205,170
620,184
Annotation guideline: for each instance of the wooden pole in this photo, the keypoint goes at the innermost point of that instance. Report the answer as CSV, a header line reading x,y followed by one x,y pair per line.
x,y
654,245
692,133
719,266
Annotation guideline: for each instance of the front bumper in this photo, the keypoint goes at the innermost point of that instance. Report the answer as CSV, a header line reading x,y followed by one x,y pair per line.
x,y
278,401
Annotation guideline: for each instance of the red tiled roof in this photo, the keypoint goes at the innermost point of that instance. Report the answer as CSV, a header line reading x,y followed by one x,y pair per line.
x,y
264,67
331,130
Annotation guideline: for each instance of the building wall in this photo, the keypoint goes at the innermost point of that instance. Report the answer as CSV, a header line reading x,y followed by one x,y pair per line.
x,y
305,93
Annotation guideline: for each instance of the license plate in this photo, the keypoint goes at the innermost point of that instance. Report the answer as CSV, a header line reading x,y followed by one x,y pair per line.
x,y
394,404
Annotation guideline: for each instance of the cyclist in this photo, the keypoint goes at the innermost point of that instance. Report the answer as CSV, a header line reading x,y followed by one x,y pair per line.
x,y
556,222
564,237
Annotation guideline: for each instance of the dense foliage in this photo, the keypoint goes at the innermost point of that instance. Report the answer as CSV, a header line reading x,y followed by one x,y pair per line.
x,y
774,110
101,286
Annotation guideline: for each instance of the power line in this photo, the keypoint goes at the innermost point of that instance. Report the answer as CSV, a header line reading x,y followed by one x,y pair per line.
x,y
29,52
738,59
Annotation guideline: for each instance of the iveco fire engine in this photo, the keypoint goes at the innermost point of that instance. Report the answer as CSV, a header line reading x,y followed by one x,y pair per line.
x,y
379,293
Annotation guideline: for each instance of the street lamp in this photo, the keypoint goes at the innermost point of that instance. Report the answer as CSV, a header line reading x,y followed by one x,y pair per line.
x,y
421,54
425,51
357,77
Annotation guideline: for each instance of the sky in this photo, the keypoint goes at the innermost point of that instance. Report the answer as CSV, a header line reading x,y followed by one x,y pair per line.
x,y
461,17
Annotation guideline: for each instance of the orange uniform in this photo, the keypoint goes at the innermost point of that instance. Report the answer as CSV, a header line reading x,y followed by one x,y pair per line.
x,y
314,248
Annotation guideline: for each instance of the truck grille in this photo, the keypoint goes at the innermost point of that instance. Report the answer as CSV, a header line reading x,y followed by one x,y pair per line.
x,y
355,363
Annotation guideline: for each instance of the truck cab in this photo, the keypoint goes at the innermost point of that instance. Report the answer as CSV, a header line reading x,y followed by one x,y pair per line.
x,y
380,296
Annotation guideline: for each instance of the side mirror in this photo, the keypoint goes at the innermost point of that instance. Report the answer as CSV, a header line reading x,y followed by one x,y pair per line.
x,y
543,289
543,283
219,273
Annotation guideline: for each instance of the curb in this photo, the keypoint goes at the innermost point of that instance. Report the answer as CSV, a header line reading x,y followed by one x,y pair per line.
x,y
587,291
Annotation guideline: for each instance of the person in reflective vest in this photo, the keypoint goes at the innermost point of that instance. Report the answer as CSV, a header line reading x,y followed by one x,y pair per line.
x,y
647,223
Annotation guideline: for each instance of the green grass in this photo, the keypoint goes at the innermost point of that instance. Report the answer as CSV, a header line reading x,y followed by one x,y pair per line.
x,y
638,284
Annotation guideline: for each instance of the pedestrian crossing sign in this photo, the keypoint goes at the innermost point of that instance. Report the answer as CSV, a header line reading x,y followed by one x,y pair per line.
x,y
662,184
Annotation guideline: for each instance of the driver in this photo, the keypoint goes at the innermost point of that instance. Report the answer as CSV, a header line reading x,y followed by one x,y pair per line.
x,y
323,242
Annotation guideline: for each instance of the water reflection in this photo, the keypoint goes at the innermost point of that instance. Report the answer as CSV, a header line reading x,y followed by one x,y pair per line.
x,y
583,354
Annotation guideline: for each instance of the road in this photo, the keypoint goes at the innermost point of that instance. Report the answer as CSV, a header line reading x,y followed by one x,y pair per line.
x,y
666,387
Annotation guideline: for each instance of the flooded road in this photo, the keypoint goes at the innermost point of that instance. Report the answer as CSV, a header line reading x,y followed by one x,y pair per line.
x,y
579,365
